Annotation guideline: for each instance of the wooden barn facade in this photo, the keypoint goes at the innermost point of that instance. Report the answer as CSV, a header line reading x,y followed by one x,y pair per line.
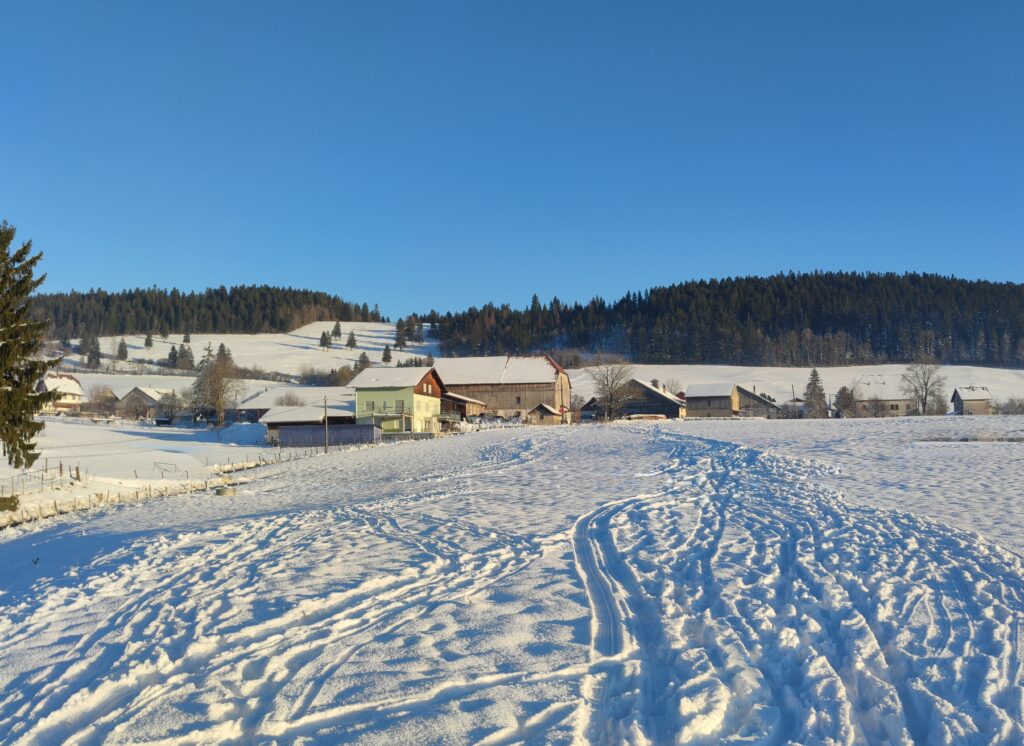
x,y
509,386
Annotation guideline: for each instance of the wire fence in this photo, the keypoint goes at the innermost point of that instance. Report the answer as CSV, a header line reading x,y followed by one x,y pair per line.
x,y
34,482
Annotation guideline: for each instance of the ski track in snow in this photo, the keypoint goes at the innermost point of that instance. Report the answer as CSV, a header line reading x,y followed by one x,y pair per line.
x,y
732,599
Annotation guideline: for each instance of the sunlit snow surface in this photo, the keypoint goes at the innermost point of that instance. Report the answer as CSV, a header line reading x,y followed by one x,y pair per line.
x,y
634,583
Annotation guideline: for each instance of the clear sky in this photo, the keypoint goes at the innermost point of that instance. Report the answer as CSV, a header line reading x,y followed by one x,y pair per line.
x,y
440,155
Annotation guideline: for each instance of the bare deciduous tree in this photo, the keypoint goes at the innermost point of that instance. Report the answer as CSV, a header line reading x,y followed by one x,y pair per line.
x,y
922,382
291,399
611,380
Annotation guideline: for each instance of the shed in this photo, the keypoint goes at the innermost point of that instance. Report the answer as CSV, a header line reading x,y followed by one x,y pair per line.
x,y
544,414
971,400
277,418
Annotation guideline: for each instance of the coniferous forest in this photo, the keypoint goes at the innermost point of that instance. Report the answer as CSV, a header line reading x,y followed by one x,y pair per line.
x,y
823,318
243,309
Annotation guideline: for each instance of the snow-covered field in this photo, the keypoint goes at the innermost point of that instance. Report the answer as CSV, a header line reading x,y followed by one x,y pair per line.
x,y
285,353
782,383
641,583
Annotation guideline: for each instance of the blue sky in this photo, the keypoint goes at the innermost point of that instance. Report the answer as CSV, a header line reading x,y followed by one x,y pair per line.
x,y
441,155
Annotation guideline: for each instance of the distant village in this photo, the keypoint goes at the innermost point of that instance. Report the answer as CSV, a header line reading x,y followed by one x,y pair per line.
x,y
457,394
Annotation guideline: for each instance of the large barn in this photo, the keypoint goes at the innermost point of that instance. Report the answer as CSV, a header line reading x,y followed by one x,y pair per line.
x,y
727,400
510,386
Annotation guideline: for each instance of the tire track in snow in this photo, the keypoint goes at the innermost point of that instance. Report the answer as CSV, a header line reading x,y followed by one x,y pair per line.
x,y
786,615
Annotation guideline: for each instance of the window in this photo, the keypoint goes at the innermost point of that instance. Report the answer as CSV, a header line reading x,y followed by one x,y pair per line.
x,y
367,406
399,405
519,400
894,407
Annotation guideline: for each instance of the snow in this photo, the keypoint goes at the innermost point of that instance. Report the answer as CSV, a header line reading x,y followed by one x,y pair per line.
x,y
496,369
308,413
813,582
781,383
700,390
973,393
122,457
66,384
386,378
269,396
287,352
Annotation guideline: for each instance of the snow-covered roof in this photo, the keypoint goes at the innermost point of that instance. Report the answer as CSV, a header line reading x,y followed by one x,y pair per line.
x,y
702,390
547,408
973,393
664,394
878,387
389,378
66,384
465,399
456,371
310,413
154,394
268,397
754,394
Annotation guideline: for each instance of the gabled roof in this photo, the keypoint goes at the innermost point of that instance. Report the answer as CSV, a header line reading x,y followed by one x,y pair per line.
x,y
267,398
498,369
389,378
702,390
464,399
972,393
547,408
671,398
755,395
877,387
65,383
153,394
311,414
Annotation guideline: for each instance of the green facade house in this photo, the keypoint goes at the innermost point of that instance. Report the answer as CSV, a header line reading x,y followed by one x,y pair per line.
x,y
399,400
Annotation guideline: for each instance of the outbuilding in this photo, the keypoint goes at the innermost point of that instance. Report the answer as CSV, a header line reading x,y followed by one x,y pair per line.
x,y
972,400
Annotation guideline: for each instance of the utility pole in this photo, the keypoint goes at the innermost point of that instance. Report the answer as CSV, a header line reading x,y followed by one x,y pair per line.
x,y
325,424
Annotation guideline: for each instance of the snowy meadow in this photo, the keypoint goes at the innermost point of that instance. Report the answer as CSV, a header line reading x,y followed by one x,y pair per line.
x,y
685,582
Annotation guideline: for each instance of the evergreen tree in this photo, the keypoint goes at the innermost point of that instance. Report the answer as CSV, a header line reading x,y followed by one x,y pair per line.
x,y
149,340
224,354
187,339
172,357
400,335
351,343
20,342
815,404
325,340
336,331
385,356
363,361
93,354
185,359
122,350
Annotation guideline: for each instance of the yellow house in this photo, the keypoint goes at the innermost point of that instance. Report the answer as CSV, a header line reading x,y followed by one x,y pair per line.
x,y
399,400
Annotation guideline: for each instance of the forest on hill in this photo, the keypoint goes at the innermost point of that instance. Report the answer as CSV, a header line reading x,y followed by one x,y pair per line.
x,y
247,309
821,318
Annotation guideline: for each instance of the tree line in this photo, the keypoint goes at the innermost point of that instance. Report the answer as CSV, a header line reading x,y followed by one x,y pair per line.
x,y
244,309
820,318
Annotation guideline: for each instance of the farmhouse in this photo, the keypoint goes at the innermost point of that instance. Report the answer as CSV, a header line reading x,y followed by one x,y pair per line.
x,y
727,400
643,398
69,388
972,400
141,403
399,400
511,385
873,396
